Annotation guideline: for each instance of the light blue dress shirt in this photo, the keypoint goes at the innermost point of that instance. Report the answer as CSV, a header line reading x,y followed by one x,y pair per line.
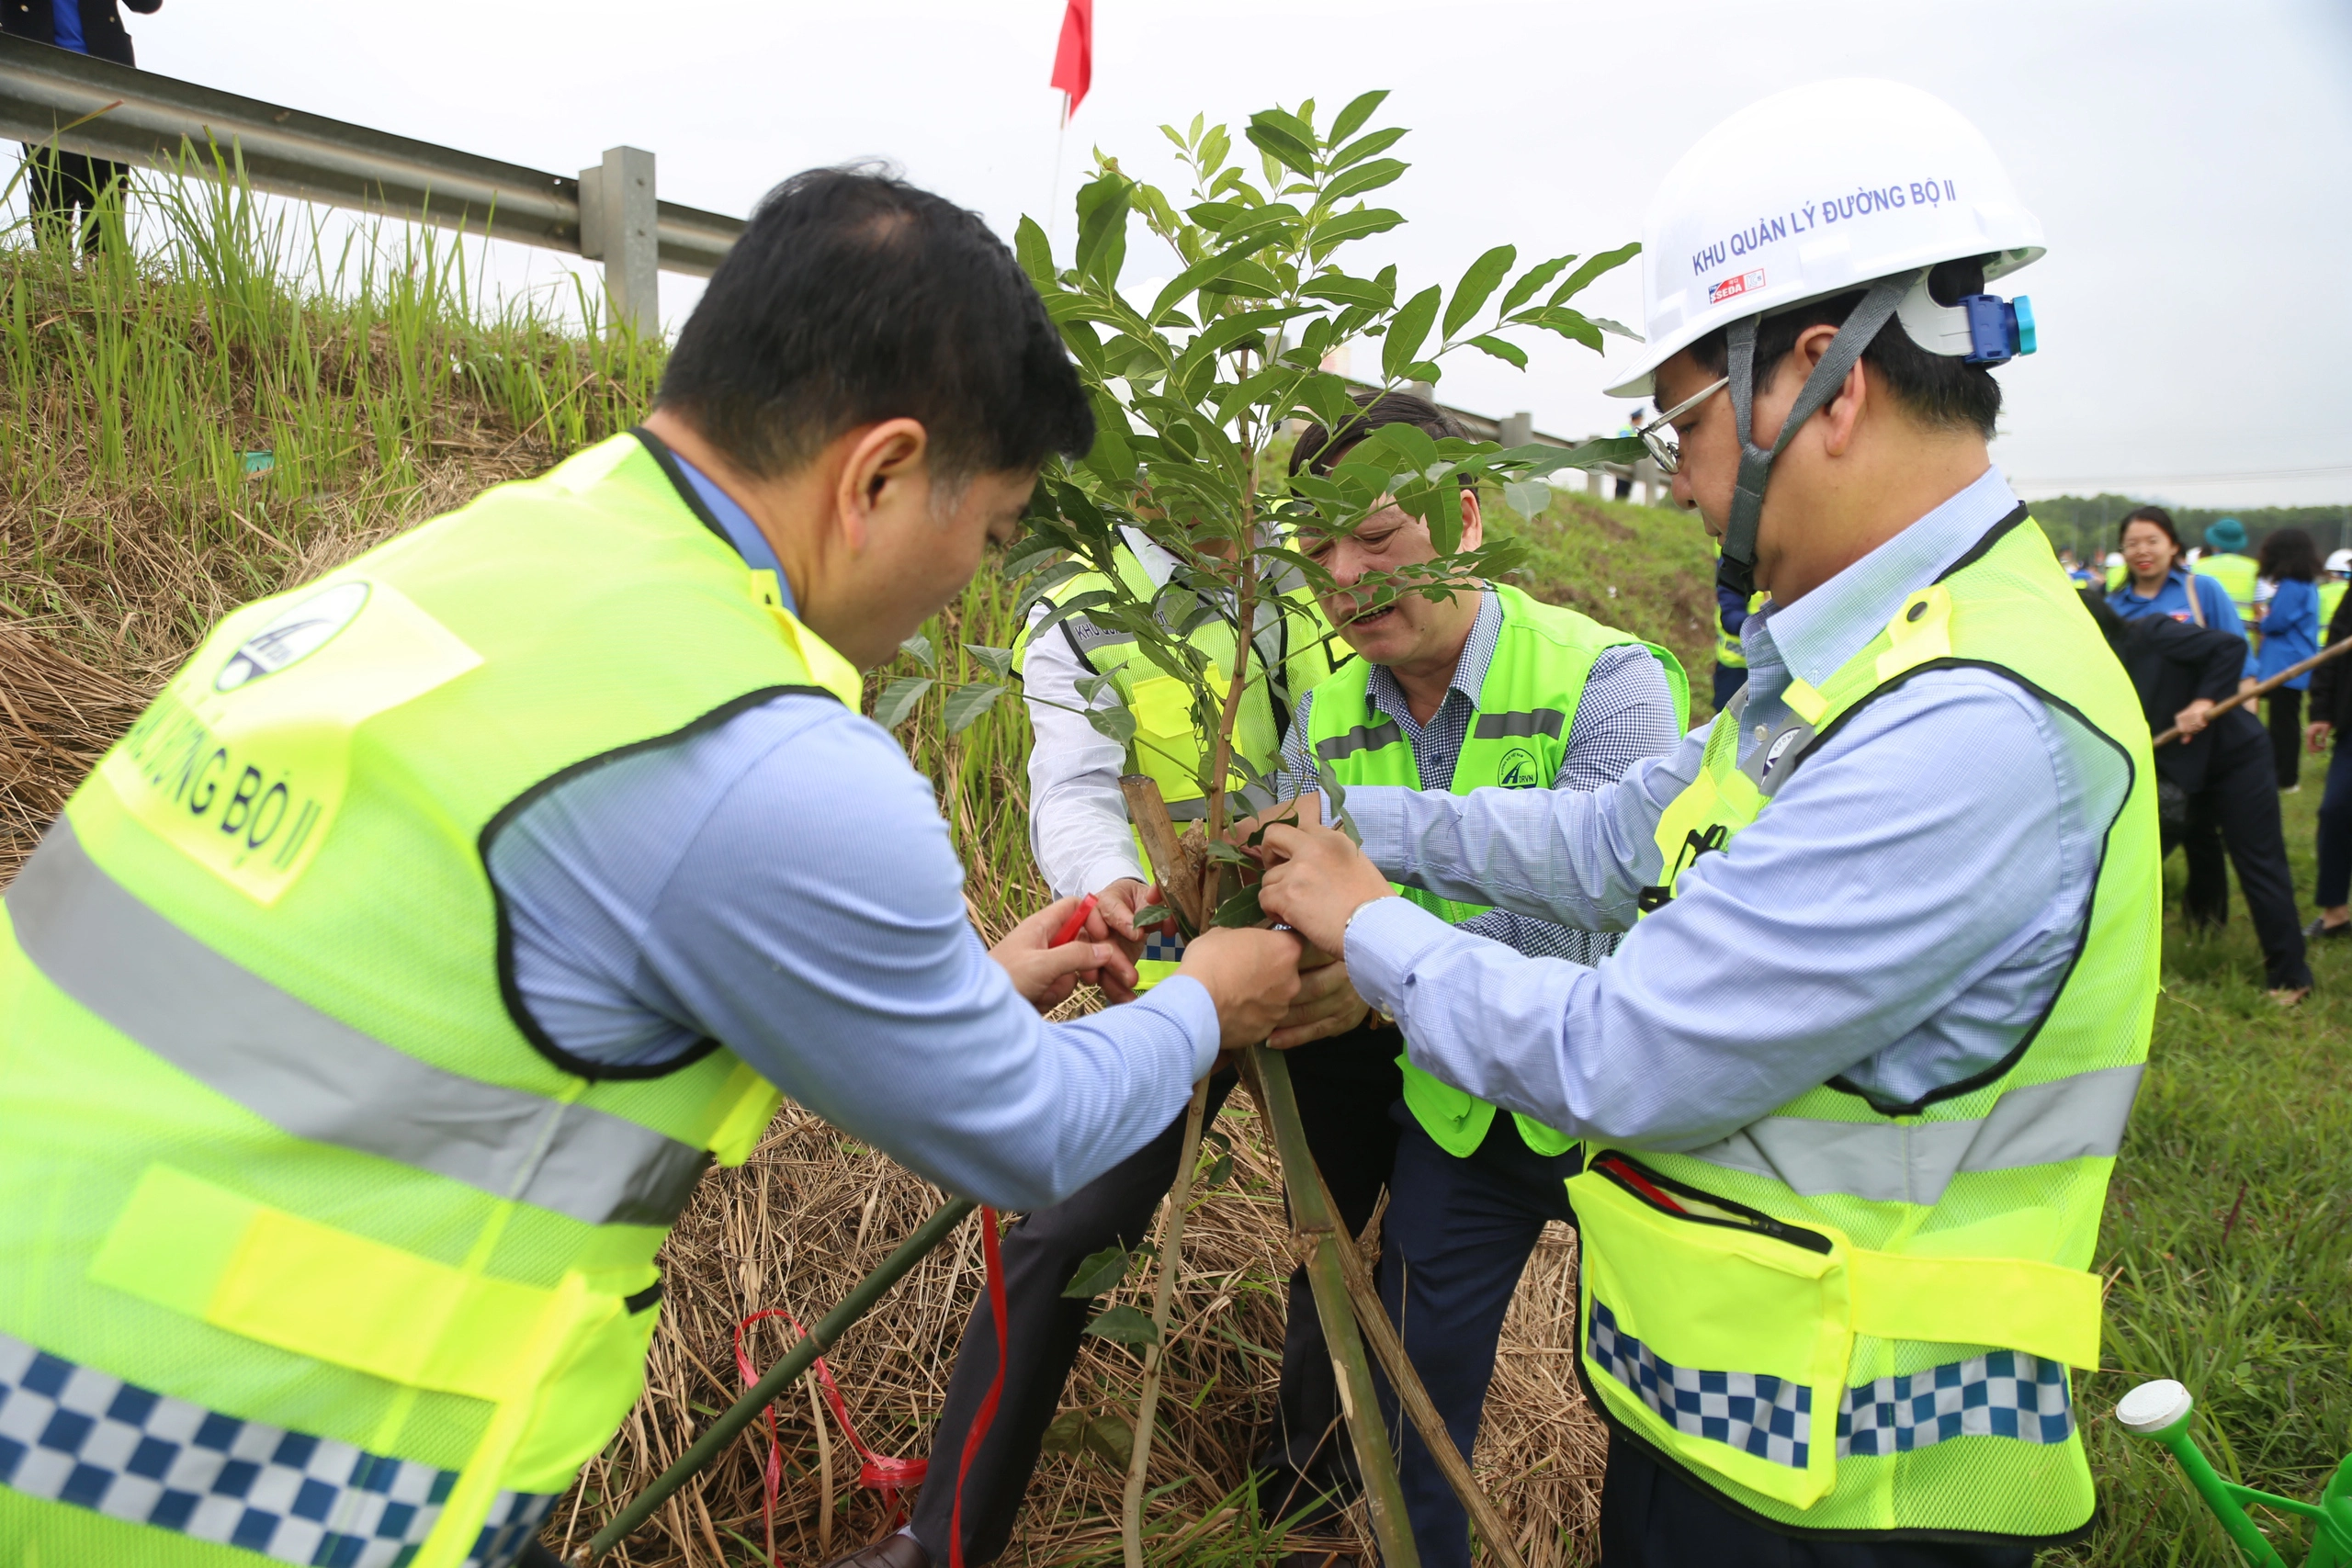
x,y
1899,918
783,883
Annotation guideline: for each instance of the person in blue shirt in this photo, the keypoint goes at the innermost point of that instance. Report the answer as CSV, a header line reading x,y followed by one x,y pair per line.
x,y
2289,628
60,182
2157,581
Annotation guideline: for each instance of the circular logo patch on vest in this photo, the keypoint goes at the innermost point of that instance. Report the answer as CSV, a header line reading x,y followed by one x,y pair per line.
x,y
1779,748
1519,770
300,630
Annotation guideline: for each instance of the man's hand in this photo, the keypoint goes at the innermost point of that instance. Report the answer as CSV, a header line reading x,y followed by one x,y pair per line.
x,y
1251,975
1327,1004
1317,878
1118,905
2315,735
1045,975
2193,718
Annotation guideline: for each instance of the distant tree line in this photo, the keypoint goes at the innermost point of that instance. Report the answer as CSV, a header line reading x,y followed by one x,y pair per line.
x,y
2088,523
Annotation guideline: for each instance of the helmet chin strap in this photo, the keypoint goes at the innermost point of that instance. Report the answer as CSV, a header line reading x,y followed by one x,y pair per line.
x,y
1737,571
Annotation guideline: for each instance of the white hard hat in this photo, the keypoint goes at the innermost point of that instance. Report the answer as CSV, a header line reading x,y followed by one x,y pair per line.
x,y
2115,557
1819,191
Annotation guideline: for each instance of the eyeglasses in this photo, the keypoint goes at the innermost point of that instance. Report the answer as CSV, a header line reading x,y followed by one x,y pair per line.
x,y
1658,436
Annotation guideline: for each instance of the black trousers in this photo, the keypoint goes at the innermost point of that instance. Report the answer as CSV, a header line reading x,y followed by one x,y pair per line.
x,y
2237,809
1452,1245
1345,1087
60,184
2284,709
1652,1517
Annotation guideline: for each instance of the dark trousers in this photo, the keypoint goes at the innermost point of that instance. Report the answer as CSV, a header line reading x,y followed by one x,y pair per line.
x,y
2285,711
1729,679
2336,831
1454,1243
2237,809
60,184
1345,1087
1652,1517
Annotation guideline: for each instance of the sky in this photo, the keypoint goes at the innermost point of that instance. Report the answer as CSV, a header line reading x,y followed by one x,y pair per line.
x,y
2188,161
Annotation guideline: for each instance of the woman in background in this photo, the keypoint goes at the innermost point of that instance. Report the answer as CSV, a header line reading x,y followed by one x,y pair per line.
x,y
2289,628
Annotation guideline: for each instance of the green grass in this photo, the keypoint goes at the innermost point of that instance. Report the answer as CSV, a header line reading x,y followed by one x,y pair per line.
x,y
2226,1241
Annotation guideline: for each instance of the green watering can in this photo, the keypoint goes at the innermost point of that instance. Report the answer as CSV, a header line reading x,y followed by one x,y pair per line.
x,y
2159,1412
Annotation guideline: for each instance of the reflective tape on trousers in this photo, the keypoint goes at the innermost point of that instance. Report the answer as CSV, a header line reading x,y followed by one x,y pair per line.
x,y
1912,1162
314,1076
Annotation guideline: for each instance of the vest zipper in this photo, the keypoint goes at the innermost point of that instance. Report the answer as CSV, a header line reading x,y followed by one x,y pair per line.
x,y
1669,1196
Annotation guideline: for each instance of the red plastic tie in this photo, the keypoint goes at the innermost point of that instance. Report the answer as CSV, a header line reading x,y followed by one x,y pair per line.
x,y
1624,1169
880,1471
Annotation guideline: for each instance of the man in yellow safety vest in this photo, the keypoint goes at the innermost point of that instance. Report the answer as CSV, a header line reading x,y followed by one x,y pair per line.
x,y
1851,1087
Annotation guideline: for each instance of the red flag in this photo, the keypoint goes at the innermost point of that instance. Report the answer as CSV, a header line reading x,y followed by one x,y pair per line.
x,y
1074,60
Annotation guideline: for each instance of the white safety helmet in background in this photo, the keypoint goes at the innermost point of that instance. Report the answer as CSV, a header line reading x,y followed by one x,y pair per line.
x,y
2340,562
1818,190
2114,558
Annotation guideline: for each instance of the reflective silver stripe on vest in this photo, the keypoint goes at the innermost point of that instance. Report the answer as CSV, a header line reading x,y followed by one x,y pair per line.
x,y
316,1078
1362,737
1503,726
1912,1162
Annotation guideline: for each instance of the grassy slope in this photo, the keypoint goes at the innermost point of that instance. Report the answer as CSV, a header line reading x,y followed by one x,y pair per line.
x,y
126,523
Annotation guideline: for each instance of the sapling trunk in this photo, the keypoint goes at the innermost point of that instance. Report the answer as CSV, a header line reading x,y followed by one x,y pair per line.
x,y
1170,1251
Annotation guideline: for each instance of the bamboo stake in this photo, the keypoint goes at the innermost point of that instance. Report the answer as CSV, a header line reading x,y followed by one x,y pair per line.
x,y
1148,813
1171,1249
2281,679
1372,1314
1314,1226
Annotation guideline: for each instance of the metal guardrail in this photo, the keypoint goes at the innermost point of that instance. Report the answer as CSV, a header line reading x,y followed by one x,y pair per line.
x,y
146,119
609,212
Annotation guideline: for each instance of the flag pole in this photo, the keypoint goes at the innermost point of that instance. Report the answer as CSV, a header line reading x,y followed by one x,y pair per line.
x,y
1054,199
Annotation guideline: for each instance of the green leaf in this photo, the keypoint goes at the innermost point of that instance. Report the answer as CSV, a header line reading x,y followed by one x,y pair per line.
x,y
1352,119
918,647
1619,328
1113,724
1035,252
1098,1275
1407,330
1066,1435
1123,1324
1567,322
997,660
1241,909
1366,177
1341,228
899,699
1527,497
1219,1169
1110,1439
1154,915
1286,139
1113,456
1401,446
1509,353
1593,268
1214,146
1102,228
1533,278
1477,286
966,705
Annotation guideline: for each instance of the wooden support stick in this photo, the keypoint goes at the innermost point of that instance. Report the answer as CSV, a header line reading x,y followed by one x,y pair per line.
x,y
1315,1226
1378,1332
2281,679
1148,813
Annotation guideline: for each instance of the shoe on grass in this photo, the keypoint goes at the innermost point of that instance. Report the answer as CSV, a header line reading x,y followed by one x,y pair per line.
x,y
2291,995
894,1550
2319,928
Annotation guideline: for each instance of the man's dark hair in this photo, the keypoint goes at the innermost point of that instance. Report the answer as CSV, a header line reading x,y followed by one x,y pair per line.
x,y
854,297
1937,390
1318,450
2156,515
2287,555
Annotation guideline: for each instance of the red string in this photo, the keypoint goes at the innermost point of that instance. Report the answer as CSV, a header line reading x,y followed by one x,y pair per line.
x,y
996,1385
884,1475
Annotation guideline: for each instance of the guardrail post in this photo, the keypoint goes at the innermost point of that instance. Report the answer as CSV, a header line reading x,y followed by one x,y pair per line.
x,y
618,225
1517,430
